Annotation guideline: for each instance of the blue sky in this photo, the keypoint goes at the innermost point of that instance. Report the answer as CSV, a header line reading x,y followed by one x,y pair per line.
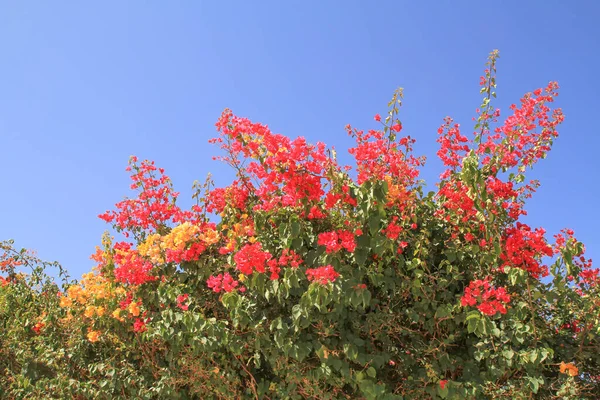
x,y
87,84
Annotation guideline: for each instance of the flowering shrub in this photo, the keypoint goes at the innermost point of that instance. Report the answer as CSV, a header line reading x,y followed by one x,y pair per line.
x,y
305,278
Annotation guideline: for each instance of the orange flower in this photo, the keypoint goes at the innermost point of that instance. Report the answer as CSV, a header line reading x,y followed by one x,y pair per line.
x,y
117,314
568,368
134,309
210,236
89,311
93,336
65,302
38,327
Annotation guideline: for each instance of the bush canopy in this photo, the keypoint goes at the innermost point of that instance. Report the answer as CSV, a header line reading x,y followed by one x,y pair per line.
x,y
308,279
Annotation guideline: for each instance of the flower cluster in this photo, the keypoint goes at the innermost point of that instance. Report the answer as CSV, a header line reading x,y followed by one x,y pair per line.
x,y
223,283
185,242
251,258
377,157
92,288
288,173
154,208
488,299
523,249
182,302
393,230
569,369
322,275
452,144
334,241
131,267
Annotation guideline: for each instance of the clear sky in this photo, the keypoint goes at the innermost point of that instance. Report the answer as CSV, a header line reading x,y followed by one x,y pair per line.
x,y
84,85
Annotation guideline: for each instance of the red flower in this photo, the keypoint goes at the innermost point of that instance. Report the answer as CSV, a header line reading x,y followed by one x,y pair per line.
x,y
397,127
443,383
37,328
251,258
182,298
335,241
139,325
322,275
393,231
222,282
330,241
489,300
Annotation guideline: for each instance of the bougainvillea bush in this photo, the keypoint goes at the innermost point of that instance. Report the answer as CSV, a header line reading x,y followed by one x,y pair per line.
x,y
307,279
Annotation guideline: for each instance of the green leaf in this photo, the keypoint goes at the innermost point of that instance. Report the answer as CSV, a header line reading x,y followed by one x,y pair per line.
x,y
371,372
508,354
374,223
295,229
360,255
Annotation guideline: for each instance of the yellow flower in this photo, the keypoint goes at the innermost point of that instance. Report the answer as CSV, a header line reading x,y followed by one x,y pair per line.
x,y
93,336
252,239
100,311
568,368
242,277
179,236
77,293
151,248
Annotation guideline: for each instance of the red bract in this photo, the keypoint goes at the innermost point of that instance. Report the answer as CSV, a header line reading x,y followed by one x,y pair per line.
x,y
322,275
222,283
489,300
154,207
523,248
181,299
516,143
330,241
458,206
235,195
393,230
251,258
130,266
289,257
335,241
139,325
582,266
378,157
452,144
288,173
123,304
